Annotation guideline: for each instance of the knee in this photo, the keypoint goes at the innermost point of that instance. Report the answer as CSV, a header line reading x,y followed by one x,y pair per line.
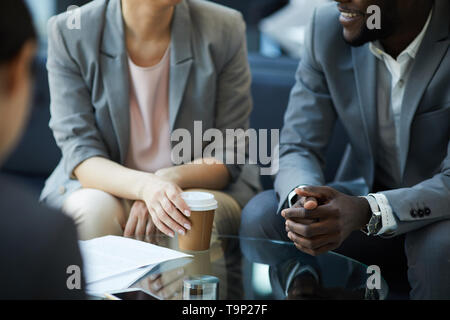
x,y
258,207
428,252
259,218
96,213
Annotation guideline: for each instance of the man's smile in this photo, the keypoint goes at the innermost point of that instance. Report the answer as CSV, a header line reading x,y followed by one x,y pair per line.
x,y
349,18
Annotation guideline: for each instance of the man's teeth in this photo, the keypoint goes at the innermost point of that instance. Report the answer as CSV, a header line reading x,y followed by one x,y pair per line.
x,y
348,14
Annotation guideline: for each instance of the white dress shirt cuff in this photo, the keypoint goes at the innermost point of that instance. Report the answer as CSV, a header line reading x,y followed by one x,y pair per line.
x,y
389,224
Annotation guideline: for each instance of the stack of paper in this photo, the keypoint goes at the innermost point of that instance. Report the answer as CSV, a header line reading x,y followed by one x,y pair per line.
x,y
114,263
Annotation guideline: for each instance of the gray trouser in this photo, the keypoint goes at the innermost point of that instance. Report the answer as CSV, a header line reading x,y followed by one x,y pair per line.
x,y
427,249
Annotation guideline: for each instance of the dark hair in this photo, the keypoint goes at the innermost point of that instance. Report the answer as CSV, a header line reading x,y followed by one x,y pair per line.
x,y
16,28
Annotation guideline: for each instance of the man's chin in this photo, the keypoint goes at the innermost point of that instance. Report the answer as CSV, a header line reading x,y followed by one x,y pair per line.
x,y
356,42
366,36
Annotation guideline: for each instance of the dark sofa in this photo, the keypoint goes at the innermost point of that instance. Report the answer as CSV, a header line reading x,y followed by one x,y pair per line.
x,y
273,79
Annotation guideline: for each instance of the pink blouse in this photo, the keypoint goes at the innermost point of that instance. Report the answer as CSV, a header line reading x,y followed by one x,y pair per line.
x,y
150,147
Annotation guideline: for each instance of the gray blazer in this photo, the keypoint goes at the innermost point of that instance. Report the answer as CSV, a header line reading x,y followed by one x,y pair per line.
x,y
89,86
335,81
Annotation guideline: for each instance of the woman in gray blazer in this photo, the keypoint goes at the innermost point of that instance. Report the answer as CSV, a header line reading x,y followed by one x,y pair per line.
x,y
124,76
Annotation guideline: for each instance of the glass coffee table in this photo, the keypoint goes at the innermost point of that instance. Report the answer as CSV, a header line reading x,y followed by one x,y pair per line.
x,y
250,269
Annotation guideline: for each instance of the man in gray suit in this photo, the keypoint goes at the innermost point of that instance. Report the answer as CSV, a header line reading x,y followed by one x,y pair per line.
x,y
390,88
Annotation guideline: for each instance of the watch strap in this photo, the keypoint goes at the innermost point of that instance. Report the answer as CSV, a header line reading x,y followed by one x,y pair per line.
x,y
376,215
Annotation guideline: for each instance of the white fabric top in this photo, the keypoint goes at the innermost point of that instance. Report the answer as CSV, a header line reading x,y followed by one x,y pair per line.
x,y
150,147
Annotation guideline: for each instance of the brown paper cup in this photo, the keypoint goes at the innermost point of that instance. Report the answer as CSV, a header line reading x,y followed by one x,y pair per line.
x,y
203,207
199,237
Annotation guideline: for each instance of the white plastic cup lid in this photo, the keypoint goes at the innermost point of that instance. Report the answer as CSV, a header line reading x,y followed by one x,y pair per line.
x,y
199,201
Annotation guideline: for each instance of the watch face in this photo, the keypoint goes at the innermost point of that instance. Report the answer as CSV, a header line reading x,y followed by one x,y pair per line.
x,y
374,225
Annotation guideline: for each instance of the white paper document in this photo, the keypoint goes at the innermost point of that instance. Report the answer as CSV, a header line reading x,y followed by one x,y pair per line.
x,y
108,257
118,282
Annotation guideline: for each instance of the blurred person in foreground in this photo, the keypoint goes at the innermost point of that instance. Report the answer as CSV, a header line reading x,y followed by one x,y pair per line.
x,y
37,245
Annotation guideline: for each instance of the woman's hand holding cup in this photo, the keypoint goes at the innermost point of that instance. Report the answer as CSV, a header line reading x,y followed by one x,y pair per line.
x,y
167,209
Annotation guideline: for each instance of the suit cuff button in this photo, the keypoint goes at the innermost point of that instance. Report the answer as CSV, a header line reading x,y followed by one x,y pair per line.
x,y
420,213
413,213
427,211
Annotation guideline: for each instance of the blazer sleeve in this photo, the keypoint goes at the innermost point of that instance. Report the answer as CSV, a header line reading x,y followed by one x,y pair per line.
x,y
233,100
308,125
72,113
432,194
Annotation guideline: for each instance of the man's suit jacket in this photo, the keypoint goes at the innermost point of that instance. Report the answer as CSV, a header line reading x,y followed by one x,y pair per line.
x,y
89,86
37,245
335,80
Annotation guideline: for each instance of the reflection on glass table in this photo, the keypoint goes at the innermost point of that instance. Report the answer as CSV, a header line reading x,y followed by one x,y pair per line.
x,y
249,269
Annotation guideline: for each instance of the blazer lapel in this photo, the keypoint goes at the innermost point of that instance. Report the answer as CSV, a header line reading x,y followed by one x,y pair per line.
x,y
365,74
181,59
428,59
114,68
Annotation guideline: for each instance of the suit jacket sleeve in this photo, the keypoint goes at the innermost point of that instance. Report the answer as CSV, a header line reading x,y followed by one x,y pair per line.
x,y
72,114
309,122
433,194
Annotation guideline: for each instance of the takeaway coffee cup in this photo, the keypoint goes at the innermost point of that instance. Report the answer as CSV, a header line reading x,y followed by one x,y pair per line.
x,y
203,206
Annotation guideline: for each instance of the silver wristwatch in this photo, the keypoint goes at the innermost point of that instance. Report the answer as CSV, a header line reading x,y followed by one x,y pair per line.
x,y
375,223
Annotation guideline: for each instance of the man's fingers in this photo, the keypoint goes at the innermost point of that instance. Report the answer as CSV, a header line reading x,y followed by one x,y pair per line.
x,y
301,213
311,230
321,193
312,243
301,221
303,192
309,203
322,212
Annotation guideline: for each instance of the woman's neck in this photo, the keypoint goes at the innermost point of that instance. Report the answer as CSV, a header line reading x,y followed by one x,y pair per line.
x,y
146,20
